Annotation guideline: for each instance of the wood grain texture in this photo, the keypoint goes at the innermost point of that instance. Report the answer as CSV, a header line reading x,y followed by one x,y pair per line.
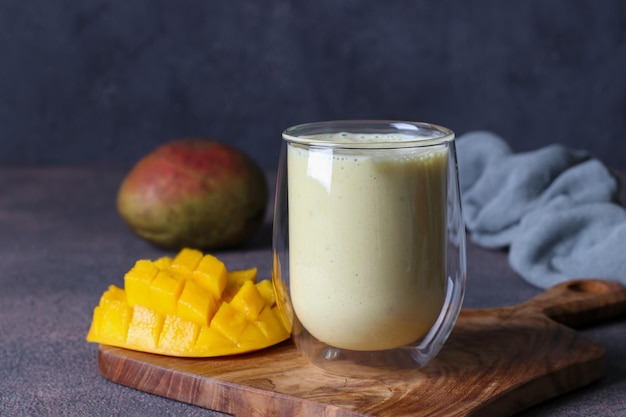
x,y
496,362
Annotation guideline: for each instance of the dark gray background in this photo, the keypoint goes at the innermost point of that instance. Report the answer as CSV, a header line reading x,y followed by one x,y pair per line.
x,y
106,81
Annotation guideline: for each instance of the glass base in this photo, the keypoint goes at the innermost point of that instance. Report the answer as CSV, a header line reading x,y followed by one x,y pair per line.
x,y
360,364
372,363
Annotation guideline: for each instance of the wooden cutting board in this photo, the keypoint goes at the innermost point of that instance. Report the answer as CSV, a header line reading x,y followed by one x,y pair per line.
x,y
496,362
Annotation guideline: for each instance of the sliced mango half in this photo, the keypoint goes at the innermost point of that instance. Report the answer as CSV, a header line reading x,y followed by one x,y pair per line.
x,y
190,306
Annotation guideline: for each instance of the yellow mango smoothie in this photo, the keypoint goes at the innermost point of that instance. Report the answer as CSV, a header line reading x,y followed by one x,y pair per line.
x,y
367,236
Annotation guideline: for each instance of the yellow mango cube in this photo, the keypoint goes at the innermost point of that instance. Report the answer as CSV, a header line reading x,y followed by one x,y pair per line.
x,y
94,335
236,279
250,337
114,293
110,323
178,336
110,316
248,301
270,324
196,304
144,328
229,322
266,289
164,292
211,273
163,262
212,343
186,261
137,282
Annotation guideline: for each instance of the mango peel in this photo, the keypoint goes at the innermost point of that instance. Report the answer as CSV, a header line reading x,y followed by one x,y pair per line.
x,y
189,306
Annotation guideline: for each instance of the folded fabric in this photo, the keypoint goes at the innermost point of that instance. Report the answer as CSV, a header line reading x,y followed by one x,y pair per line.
x,y
554,209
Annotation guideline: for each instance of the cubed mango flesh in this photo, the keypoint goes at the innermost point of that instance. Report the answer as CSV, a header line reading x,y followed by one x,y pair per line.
x,y
186,261
248,301
229,322
169,306
236,279
211,273
144,328
178,336
196,304
164,292
137,282
212,343
266,289
111,317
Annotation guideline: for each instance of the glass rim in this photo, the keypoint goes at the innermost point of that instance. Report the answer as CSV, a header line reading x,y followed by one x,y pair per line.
x,y
418,134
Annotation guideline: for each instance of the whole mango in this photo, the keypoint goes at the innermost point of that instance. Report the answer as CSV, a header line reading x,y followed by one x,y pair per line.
x,y
194,193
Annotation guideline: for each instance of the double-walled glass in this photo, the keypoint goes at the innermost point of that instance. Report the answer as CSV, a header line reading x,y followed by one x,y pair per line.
x,y
369,242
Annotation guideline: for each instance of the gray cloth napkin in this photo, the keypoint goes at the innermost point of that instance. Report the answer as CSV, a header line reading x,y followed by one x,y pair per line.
x,y
554,209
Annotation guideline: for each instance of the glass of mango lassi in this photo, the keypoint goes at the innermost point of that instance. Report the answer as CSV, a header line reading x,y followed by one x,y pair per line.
x,y
369,242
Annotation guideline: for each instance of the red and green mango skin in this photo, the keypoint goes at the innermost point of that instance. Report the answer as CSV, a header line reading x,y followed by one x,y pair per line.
x,y
196,193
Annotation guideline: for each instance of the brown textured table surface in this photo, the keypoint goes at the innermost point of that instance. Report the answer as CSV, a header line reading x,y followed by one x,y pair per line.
x,y
62,243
